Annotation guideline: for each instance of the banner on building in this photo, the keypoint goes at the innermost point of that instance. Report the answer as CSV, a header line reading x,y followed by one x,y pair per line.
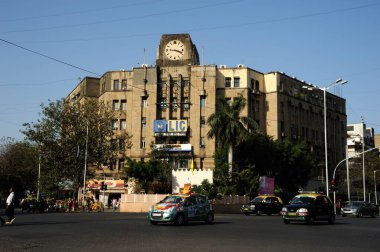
x,y
266,185
111,184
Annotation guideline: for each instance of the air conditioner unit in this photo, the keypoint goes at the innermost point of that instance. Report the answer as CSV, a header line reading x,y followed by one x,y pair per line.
x,y
222,66
240,66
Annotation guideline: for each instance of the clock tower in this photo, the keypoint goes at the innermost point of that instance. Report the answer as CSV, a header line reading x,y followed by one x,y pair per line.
x,y
176,50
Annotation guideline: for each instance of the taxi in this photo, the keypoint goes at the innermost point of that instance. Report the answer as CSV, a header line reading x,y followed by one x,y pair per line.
x,y
263,204
309,207
181,208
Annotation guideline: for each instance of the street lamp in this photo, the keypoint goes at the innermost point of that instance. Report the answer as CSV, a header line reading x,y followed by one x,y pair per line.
x,y
337,82
358,154
85,168
374,181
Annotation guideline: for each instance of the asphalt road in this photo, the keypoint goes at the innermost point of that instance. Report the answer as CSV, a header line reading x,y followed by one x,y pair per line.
x,y
111,231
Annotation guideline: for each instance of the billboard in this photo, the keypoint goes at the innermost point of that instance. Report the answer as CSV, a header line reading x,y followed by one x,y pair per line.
x,y
266,185
170,127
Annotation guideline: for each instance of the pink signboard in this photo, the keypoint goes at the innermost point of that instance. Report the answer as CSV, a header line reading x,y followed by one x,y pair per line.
x,y
266,185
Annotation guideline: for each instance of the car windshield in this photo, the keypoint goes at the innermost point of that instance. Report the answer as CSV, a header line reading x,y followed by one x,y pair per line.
x,y
172,199
354,204
257,199
302,200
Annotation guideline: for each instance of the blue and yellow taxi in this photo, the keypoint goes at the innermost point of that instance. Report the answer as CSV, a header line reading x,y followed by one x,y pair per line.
x,y
263,204
181,208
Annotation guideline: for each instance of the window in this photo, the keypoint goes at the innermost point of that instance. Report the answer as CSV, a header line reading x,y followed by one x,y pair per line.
x,y
202,142
124,105
228,82
236,82
123,124
121,164
228,100
144,102
203,121
183,164
186,103
201,163
121,144
174,103
143,122
115,105
115,85
142,145
203,102
163,104
252,84
114,124
257,85
123,84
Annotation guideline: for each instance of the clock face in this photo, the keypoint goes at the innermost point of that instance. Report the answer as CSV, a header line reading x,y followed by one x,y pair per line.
x,y
174,50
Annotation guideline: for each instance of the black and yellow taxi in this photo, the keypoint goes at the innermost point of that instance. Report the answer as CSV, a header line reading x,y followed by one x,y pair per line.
x,y
309,207
263,204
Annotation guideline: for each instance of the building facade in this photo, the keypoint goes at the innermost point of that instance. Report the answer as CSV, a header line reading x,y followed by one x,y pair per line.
x,y
168,105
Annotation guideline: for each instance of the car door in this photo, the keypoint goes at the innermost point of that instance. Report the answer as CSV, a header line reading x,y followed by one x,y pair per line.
x,y
191,208
276,206
320,208
201,207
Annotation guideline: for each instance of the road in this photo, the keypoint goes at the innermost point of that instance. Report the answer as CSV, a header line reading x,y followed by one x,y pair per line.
x,y
111,231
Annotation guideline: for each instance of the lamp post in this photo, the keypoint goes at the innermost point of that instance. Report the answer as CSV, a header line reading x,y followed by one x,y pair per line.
x,y
374,182
85,168
358,154
39,176
337,82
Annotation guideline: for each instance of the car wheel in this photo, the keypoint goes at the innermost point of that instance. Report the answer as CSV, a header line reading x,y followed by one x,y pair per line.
x,y
269,214
343,215
373,215
209,218
311,220
331,219
246,214
286,221
153,222
179,220
359,215
258,213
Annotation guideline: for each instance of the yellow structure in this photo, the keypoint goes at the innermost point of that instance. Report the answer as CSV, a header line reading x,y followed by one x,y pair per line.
x,y
171,101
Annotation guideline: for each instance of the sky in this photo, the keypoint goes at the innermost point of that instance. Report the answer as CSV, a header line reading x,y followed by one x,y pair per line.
x,y
46,46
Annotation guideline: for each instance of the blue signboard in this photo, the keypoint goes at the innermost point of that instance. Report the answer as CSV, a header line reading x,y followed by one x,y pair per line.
x,y
159,126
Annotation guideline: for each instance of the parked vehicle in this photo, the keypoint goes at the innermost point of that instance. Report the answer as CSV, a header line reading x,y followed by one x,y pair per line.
x,y
263,204
179,209
359,209
309,207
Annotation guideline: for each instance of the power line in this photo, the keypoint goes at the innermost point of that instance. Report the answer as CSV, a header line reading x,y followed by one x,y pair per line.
x,y
35,84
46,56
122,19
81,12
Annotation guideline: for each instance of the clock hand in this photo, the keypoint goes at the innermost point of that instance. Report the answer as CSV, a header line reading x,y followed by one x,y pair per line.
x,y
176,51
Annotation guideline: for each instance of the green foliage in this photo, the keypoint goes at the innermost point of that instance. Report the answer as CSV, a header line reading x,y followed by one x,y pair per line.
x,y
259,155
205,188
61,134
153,176
18,166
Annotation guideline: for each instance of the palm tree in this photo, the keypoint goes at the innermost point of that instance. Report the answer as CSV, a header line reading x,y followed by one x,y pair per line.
x,y
228,127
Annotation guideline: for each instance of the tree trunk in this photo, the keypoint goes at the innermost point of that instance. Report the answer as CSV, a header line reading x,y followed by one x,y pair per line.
x,y
230,159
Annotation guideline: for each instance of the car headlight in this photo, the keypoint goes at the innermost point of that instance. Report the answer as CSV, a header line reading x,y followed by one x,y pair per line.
x,y
302,212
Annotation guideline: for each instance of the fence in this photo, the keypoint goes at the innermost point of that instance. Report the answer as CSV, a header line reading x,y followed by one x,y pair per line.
x,y
139,203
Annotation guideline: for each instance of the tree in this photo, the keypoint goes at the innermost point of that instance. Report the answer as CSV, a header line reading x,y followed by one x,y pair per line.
x,y
228,127
61,134
18,166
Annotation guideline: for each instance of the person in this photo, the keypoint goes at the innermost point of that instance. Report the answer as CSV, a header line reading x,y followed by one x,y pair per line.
x,y
10,209
114,204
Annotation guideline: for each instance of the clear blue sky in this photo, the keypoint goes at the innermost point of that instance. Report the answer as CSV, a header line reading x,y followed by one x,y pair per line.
x,y
315,40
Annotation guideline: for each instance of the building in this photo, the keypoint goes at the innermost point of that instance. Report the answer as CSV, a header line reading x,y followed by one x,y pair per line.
x,y
168,105
359,139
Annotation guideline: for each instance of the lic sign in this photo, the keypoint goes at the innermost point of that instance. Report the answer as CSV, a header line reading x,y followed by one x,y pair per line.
x,y
170,127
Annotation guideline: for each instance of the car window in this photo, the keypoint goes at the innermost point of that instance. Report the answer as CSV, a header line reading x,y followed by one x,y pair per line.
x,y
302,200
193,200
172,199
257,199
274,200
202,200
268,200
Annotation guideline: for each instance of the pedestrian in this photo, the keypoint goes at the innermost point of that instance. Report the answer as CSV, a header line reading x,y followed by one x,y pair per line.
x,y
114,204
10,209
